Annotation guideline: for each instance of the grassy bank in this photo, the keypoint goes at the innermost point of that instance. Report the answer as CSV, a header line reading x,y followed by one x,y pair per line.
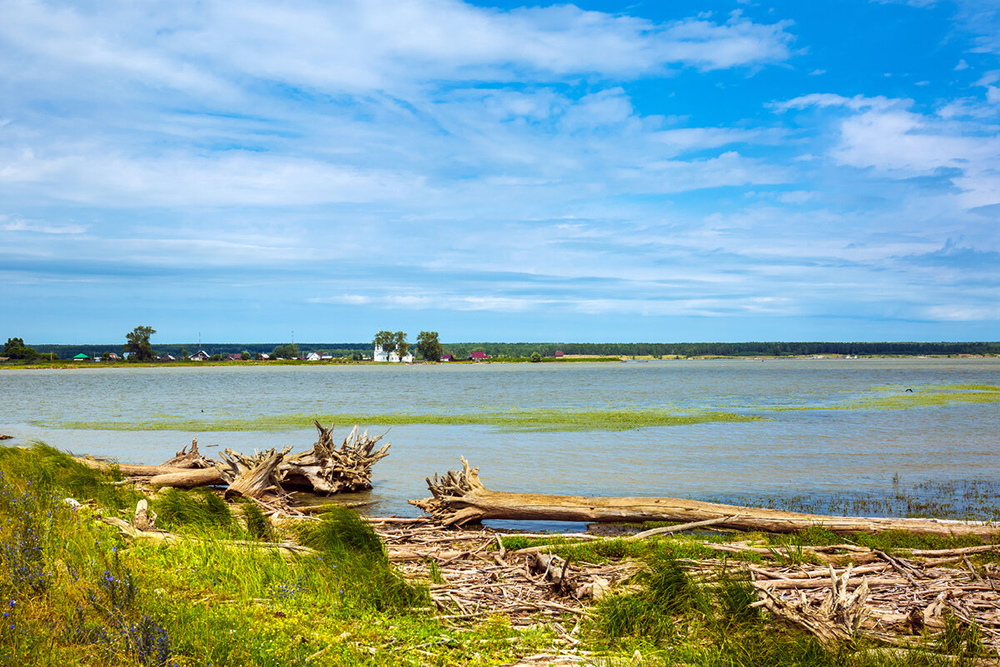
x,y
74,591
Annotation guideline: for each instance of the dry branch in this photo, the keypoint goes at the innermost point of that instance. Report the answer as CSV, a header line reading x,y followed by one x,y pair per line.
x,y
190,459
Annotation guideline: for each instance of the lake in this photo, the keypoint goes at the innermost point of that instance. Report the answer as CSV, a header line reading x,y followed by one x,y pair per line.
x,y
827,433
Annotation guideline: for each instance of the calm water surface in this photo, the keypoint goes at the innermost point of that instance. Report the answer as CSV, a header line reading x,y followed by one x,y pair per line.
x,y
811,453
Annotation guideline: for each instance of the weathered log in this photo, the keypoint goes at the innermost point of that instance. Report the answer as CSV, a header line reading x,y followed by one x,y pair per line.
x,y
327,469
187,478
253,476
190,459
128,469
459,497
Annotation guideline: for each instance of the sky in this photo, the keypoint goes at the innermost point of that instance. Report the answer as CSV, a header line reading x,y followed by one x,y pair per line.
x,y
720,170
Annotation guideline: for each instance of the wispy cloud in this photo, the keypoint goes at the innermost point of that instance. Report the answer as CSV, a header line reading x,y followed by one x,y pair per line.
x,y
352,161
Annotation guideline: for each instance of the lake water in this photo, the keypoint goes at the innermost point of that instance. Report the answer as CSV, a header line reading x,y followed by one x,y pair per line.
x,y
814,453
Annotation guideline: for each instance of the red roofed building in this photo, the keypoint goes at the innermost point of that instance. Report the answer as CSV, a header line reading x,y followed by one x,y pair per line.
x,y
559,353
479,356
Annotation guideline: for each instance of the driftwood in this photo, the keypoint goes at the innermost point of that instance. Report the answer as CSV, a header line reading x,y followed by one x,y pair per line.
x,y
189,478
182,478
144,518
254,476
838,617
190,459
327,470
459,497
127,469
6,437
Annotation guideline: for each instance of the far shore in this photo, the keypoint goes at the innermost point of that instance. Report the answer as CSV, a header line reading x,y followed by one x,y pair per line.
x,y
569,358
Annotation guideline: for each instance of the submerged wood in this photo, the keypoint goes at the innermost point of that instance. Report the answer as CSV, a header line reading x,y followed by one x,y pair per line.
x,y
459,497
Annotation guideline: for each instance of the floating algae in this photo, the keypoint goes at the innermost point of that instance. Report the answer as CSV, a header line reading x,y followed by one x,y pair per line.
x,y
515,420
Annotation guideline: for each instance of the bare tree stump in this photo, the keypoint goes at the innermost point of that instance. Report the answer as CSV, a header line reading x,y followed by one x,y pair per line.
x,y
327,469
144,518
190,459
253,476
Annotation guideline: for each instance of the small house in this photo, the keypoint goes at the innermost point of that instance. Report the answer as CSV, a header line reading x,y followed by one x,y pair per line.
x,y
479,356
446,357
235,356
81,357
314,356
200,355
560,354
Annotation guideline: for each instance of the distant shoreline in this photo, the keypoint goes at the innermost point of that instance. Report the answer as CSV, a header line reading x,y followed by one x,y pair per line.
x,y
90,363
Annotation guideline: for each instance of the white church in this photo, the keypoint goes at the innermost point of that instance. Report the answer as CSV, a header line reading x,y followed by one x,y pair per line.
x,y
390,357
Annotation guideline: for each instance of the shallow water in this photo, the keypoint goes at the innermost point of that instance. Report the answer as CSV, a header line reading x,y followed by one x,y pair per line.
x,y
815,453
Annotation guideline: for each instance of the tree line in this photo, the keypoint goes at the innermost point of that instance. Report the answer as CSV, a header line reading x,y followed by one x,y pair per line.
x,y
429,347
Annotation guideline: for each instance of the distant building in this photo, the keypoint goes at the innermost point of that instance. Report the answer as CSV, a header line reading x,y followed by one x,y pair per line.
x,y
81,357
313,356
559,354
381,355
479,356
200,355
235,356
167,357
447,357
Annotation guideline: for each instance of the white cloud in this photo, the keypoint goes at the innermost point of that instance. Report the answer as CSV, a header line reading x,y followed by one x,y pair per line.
x,y
962,313
822,100
366,44
20,225
236,178
885,135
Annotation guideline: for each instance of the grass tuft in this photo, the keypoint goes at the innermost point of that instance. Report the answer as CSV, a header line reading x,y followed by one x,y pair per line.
x,y
199,508
350,546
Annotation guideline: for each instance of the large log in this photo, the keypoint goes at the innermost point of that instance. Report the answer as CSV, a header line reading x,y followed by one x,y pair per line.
x,y
188,478
459,497
128,469
182,478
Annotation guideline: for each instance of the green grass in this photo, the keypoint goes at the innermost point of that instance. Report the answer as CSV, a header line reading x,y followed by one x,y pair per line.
x,y
73,591
517,420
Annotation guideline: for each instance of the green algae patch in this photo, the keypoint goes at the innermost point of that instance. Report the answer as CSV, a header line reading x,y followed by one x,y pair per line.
x,y
518,420
903,398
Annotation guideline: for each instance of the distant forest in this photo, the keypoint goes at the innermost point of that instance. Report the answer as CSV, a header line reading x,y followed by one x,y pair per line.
x,y
520,350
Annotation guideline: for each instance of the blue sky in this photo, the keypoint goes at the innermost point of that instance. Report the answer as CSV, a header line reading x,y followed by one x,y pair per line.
x,y
667,171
